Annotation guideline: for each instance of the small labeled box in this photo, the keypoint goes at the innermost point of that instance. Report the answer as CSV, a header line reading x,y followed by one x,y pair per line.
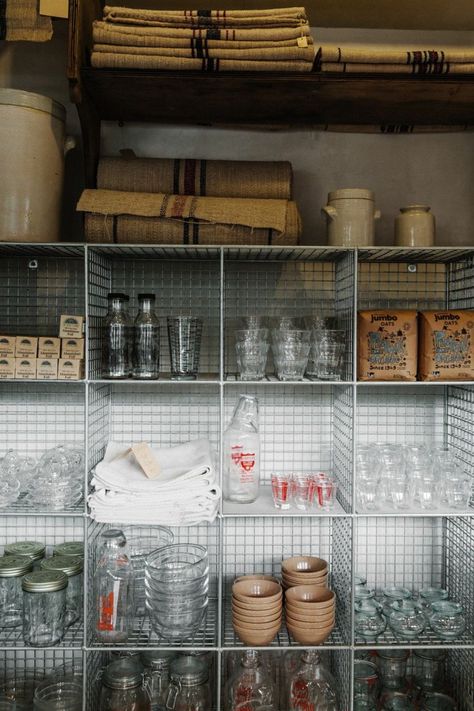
x,y
26,347
7,368
47,368
71,326
25,368
72,348
7,346
70,369
49,347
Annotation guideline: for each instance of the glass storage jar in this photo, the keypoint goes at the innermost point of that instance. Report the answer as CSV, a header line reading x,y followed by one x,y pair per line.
x,y
393,594
396,701
189,685
28,549
428,596
123,687
447,619
368,619
406,620
73,568
12,569
366,684
157,676
438,702
392,664
429,669
72,548
44,607
118,339
60,695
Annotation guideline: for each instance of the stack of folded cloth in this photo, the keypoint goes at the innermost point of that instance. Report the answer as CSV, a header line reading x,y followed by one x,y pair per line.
x,y
393,59
166,201
275,40
185,492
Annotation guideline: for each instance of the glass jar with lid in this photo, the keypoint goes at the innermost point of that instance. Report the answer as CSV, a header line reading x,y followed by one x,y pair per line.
x,y
428,596
157,675
123,687
72,548
28,549
189,685
73,568
44,607
447,619
12,569
429,669
392,664
368,619
406,620
118,339
438,702
366,685
58,695
393,594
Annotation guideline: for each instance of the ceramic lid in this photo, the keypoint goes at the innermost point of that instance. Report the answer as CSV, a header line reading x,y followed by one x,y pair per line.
x,y
351,194
125,673
189,671
72,548
28,100
66,563
32,549
44,581
14,566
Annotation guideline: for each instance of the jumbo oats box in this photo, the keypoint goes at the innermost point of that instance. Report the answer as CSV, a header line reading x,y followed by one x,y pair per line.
x,y
446,345
387,345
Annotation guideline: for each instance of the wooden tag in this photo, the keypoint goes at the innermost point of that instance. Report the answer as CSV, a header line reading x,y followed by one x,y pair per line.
x,y
146,459
302,42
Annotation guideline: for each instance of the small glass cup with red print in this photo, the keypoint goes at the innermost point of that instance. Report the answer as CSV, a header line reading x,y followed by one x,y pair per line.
x,y
324,491
281,490
303,491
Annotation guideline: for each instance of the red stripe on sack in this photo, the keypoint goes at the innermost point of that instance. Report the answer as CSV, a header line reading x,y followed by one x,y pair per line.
x,y
177,206
190,177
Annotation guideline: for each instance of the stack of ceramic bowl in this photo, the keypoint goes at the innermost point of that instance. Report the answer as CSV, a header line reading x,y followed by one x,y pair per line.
x,y
256,610
304,570
310,613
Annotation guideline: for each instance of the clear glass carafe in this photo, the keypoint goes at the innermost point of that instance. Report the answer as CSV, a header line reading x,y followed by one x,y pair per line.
x,y
250,682
123,687
189,685
12,569
157,676
117,347
242,453
312,687
113,588
146,340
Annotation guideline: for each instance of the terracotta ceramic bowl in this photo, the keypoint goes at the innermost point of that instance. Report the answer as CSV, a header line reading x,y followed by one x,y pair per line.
x,y
257,626
256,638
269,578
309,636
250,618
261,608
309,617
298,625
257,592
291,582
310,597
301,564
240,609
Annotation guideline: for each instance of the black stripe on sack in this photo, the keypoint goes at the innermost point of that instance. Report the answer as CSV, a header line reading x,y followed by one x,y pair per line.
x,y
270,236
195,232
204,13
176,163
213,33
186,230
164,205
199,47
202,177
3,19
114,229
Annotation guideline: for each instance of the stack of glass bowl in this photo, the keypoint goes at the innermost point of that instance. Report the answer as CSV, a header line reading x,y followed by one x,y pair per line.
x,y
176,587
142,541
59,479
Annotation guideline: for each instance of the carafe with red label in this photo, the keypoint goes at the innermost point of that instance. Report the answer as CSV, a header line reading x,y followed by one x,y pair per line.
x,y
242,453
113,588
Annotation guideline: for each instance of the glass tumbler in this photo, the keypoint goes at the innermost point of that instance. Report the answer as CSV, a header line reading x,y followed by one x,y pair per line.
x,y
302,489
392,666
251,359
281,491
325,490
184,337
329,353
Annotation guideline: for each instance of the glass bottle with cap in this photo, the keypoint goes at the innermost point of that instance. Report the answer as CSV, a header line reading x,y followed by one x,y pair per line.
x,y
146,340
157,675
70,548
12,569
189,685
117,345
312,686
73,568
44,607
123,687
113,588
250,682
28,549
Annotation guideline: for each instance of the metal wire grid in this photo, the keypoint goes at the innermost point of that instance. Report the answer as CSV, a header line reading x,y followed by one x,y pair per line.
x,y
48,530
459,544
410,255
99,285
142,635
344,307
461,284
391,285
461,678
261,544
459,427
342,435
35,292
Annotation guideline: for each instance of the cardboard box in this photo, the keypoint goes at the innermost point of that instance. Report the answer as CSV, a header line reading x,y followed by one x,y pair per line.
x,y
25,368
7,368
387,345
72,348
446,345
26,347
49,347
54,8
7,346
71,326
47,368
70,369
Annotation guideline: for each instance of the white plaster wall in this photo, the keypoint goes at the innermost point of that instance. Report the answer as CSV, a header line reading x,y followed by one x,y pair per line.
x,y
436,169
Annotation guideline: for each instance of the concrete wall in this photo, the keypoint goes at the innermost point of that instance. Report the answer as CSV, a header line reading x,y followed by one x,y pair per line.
x,y
436,169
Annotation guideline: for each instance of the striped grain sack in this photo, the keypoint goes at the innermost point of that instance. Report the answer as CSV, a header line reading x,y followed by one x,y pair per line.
x,y
21,21
395,54
351,68
287,17
269,53
171,219
145,35
109,60
217,178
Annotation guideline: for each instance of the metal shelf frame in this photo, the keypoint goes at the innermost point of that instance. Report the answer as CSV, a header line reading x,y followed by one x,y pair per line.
x,y
304,425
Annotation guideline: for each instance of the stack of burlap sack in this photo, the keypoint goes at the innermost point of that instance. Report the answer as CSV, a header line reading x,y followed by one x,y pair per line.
x,y
188,201
275,40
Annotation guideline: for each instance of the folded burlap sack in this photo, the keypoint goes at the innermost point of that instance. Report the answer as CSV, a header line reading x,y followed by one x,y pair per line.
x,y
268,53
395,54
216,178
277,17
21,21
110,60
141,218
360,68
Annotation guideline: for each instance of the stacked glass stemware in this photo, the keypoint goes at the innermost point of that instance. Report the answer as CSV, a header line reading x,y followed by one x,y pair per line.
x,y
176,589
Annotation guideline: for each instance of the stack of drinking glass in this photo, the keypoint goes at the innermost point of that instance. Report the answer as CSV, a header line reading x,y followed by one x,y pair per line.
x,y
328,345
290,348
251,349
399,477
176,588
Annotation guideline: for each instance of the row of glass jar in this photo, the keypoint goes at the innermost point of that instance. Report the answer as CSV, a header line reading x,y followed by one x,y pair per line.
x,y
43,595
384,681
29,690
406,616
